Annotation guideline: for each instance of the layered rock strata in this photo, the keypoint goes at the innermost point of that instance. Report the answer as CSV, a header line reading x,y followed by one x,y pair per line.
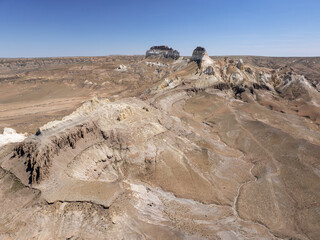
x,y
219,150
200,56
162,51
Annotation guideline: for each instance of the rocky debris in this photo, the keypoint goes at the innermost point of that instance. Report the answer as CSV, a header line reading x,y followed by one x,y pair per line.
x,y
236,79
92,163
249,70
209,70
89,82
156,64
293,86
121,68
162,51
168,83
125,113
240,65
285,70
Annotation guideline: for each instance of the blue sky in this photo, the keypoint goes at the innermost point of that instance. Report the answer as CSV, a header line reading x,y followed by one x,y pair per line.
x,y
45,28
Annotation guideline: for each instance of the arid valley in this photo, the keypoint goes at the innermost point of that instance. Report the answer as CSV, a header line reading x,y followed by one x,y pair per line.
x,y
160,146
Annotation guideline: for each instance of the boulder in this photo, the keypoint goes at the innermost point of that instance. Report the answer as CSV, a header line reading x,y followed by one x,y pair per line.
x,y
121,68
249,70
209,71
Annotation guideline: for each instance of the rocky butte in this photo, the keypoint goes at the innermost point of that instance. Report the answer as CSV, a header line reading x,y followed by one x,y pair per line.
x,y
163,51
201,57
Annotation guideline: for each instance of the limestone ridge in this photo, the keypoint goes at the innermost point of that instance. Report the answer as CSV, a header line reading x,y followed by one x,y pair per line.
x,y
162,51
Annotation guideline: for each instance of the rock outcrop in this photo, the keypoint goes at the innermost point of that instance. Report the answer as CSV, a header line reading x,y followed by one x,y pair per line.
x,y
201,57
162,51
240,64
198,54
209,70
38,156
203,72
213,150
121,68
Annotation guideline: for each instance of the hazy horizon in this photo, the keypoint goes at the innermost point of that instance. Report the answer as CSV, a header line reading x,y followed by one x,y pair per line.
x,y
82,28
143,54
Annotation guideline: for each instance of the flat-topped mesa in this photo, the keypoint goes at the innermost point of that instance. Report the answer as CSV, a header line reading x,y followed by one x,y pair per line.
x,y
200,56
162,47
163,51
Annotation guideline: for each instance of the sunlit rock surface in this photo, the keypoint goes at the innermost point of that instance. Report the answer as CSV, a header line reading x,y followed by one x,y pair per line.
x,y
163,51
193,148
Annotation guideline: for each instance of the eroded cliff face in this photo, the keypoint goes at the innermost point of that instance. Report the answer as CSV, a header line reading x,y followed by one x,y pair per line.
x,y
38,156
217,149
